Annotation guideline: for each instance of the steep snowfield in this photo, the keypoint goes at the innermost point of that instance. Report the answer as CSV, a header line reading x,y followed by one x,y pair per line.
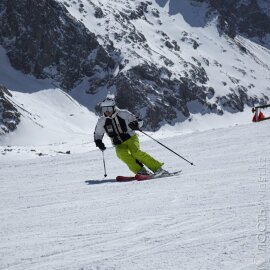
x,y
49,116
58,212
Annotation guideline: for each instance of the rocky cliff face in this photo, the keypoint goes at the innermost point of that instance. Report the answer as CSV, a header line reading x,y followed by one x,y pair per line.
x,y
249,17
159,94
161,66
9,115
43,39
163,99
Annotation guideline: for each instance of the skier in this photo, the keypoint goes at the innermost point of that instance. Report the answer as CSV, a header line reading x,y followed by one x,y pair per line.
x,y
120,126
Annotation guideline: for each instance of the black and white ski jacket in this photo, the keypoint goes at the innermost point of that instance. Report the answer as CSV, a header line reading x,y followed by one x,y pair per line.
x,y
116,126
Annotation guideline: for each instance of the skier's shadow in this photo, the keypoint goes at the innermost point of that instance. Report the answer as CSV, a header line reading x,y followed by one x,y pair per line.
x,y
101,181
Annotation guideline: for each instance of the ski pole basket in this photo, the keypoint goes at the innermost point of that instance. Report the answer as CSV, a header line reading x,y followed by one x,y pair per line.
x,y
258,115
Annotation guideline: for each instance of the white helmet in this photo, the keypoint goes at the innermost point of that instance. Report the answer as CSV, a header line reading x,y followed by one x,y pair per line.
x,y
108,104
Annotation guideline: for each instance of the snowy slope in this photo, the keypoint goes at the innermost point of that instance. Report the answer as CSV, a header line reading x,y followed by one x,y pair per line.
x,y
182,23
207,218
49,116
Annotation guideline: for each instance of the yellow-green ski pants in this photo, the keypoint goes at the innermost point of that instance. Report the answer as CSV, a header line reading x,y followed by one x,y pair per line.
x,y
129,151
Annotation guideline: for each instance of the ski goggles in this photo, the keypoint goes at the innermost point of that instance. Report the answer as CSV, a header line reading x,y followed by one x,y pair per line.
x,y
107,109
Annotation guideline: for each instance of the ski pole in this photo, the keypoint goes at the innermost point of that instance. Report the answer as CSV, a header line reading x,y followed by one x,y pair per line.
x,y
105,173
191,163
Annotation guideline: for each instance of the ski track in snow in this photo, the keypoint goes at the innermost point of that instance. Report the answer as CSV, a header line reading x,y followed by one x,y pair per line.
x,y
206,218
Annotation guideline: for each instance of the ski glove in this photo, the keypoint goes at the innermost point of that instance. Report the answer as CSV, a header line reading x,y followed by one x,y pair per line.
x,y
134,125
100,145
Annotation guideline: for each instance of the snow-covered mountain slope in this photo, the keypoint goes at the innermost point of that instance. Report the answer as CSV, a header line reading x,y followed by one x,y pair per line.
x,y
188,46
165,60
210,217
47,117
50,121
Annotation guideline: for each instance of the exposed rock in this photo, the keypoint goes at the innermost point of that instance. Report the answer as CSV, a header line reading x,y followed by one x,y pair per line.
x,y
151,93
30,38
237,99
140,10
9,115
98,13
246,17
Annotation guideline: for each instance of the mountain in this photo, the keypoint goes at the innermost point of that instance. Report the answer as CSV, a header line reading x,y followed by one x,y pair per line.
x,y
165,60
42,39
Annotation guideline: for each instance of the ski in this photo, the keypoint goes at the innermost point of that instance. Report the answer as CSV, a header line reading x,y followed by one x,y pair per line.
x,y
141,177
121,178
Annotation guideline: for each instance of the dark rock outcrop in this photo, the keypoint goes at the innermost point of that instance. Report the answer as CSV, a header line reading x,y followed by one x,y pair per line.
x,y
43,39
245,17
9,115
152,94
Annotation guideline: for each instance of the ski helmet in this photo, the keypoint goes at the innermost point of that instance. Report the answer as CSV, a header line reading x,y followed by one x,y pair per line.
x,y
108,104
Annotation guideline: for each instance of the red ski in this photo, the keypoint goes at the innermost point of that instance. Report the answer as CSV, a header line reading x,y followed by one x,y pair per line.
x,y
121,178
142,177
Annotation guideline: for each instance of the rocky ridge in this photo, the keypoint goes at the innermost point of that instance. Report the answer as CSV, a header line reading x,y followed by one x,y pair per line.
x,y
41,38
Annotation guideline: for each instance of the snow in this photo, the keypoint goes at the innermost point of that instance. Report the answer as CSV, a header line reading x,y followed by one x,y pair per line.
x,y
58,212
49,116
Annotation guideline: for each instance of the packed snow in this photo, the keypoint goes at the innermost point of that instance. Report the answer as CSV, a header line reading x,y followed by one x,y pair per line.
x,y
59,212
